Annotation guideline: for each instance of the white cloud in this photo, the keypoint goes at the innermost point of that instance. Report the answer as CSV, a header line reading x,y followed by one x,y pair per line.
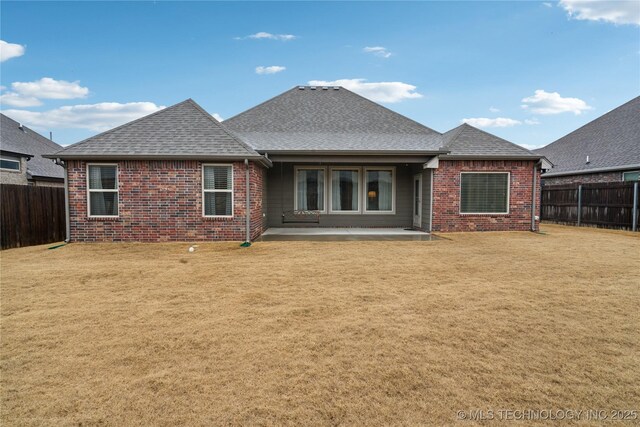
x,y
378,51
10,50
494,109
378,91
498,122
217,116
94,117
616,12
532,121
48,88
268,36
270,70
552,103
17,100
547,4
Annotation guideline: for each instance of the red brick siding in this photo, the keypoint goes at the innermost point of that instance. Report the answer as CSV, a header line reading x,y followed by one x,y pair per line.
x,y
160,201
446,197
584,179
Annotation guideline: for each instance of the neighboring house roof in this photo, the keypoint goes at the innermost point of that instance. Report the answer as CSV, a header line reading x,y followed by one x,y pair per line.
x,y
309,118
26,142
182,131
611,141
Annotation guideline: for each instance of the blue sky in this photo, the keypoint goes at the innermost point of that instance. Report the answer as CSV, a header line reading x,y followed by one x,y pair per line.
x,y
527,71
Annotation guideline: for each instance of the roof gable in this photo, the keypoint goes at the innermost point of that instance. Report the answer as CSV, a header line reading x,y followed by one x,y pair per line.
x,y
329,118
466,140
182,130
26,141
612,140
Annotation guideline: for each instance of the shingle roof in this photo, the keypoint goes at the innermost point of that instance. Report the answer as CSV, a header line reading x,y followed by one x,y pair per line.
x,y
329,119
184,130
468,141
26,141
611,141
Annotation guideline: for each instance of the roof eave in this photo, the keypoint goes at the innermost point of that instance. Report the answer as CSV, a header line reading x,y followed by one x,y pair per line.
x,y
201,157
489,157
355,152
590,171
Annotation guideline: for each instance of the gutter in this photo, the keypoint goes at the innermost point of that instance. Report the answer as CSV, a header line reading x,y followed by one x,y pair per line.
x,y
94,157
247,212
356,152
594,170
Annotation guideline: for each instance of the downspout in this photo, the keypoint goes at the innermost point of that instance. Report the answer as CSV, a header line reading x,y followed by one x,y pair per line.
x,y
67,215
533,198
248,207
431,202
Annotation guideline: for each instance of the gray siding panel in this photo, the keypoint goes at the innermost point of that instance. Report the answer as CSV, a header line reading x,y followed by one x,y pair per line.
x,y
280,181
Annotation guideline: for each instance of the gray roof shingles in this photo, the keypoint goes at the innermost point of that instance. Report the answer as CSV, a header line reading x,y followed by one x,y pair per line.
x,y
301,120
180,131
468,141
28,142
329,119
611,141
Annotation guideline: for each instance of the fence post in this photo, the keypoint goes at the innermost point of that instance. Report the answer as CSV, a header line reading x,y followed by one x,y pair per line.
x,y
634,221
579,203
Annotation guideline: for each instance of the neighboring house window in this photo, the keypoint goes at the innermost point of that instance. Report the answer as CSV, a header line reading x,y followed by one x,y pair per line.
x,y
345,190
631,176
103,190
10,164
379,188
217,189
485,193
309,192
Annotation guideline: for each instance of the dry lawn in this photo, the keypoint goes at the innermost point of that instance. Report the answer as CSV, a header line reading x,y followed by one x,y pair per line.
x,y
320,333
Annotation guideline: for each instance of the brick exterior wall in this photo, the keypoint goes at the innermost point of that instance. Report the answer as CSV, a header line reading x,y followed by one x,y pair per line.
x,y
162,201
446,197
584,179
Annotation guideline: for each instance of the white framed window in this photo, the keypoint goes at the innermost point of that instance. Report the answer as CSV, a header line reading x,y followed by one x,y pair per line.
x,y
484,192
102,190
217,191
310,189
379,190
8,164
345,190
631,176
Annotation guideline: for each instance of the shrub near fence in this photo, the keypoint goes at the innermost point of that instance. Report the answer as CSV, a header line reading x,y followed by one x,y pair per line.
x,y
31,215
608,205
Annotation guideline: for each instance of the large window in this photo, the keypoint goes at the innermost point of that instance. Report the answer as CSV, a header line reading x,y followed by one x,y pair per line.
x,y
10,164
378,187
309,192
484,192
103,190
345,190
631,176
217,190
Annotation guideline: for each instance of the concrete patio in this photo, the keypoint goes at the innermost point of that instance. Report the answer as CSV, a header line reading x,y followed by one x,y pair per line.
x,y
342,234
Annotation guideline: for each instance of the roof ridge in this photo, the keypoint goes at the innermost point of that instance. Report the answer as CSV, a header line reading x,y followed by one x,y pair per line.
x,y
389,110
225,130
496,136
637,98
262,103
124,125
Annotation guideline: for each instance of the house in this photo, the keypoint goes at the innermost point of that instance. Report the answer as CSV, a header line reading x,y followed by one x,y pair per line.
x,y
604,150
310,157
21,160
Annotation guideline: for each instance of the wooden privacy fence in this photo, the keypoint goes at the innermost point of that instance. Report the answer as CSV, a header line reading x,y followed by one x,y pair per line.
x,y
31,215
607,205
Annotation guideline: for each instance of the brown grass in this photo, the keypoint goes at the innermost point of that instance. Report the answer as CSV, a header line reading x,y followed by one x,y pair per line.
x,y
320,333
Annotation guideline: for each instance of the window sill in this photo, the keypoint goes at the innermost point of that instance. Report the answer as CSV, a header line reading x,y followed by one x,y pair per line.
x,y
103,218
218,218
